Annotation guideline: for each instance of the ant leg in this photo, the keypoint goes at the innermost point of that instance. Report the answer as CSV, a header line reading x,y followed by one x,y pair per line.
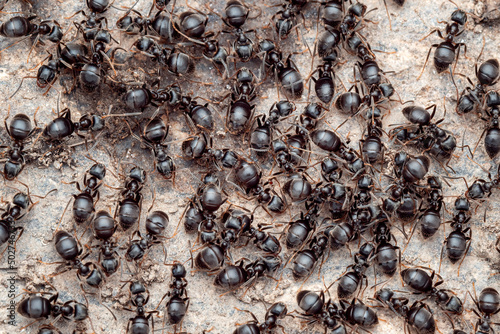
x,y
427,59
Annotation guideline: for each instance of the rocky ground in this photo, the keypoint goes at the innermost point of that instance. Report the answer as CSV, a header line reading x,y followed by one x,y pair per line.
x,y
55,166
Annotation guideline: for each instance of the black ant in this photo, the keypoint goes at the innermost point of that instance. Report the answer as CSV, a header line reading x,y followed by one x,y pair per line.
x,y
178,302
104,228
129,208
458,241
156,222
447,52
154,135
19,26
286,72
425,134
275,312
19,130
139,298
471,98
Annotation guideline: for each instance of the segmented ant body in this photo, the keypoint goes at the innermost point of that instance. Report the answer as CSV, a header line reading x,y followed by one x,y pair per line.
x,y
154,135
426,134
472,98
487,305
458,241
285,17
430,219
70,250
409,170
386,254
328,314
19,26
13,213
38,307
129,208
160,24
492,133
104,228
286,72
420,281
139,298
84,202
236,15
262,135
447,52
240,112
178,302
233,276
63,127
275,312
304,262
19,131
73,56
156,223
353,279
139,98
418,316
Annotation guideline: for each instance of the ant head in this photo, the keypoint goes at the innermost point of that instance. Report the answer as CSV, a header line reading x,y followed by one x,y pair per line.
x,y
462,204
98,170
178,270
22,200
137,288
459,16
138,174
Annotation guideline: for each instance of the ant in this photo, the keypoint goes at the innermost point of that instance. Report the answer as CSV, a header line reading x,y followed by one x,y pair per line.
x,y
73,56
420,280
299,231
21,204
138,298
84,202
305,260
161,24
286,73
445,54
71,251
430,219
156,223
63,127
261,136
236,14
104,228
19,26
275,312
492,133
409,170
19,130
471,98
38,307
91,26
240,112
426,134
233,276
154,135
372,148
386,254
315,309
286,16
458,241
139,98
178,302
418,316
487,305
129,208
353,279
